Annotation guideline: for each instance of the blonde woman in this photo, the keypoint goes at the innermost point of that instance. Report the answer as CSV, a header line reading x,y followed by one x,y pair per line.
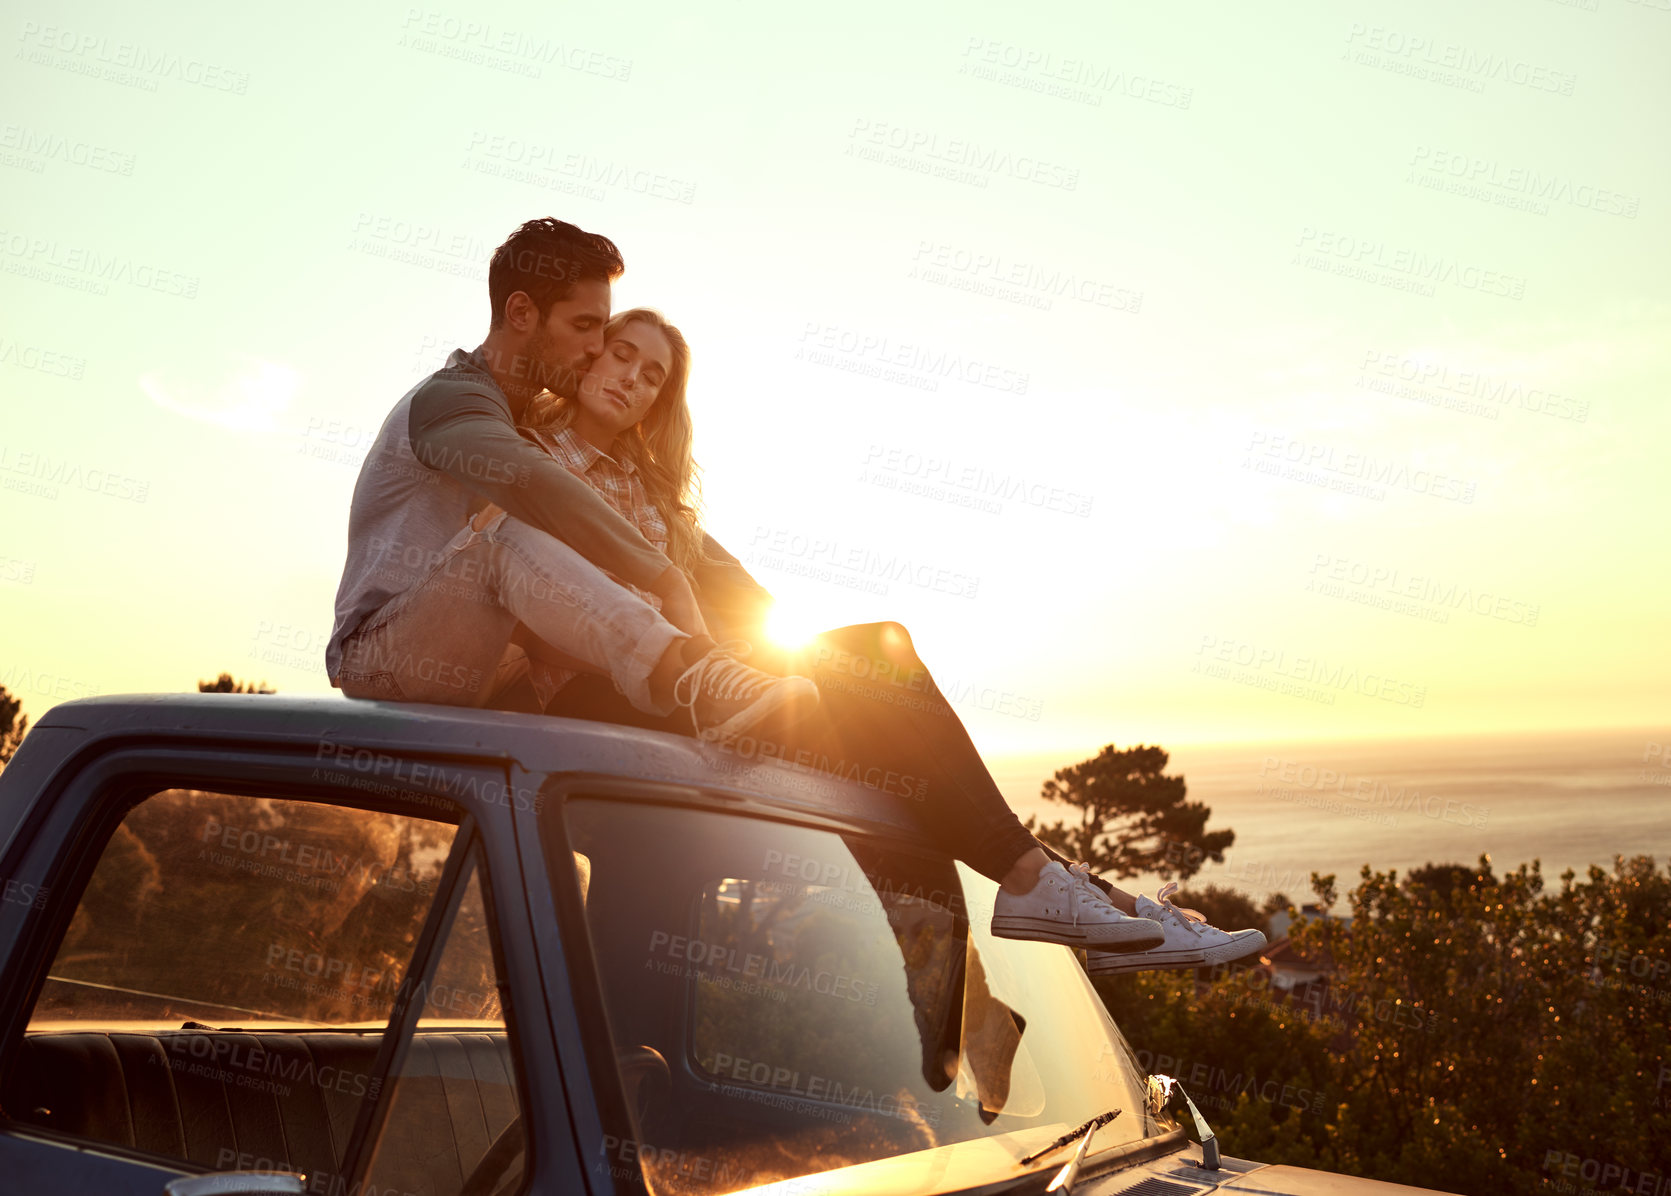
x,y
627,433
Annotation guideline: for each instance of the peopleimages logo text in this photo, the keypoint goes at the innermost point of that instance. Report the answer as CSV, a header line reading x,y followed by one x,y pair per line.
x,y
929,145
1313,670
1370,791
1370,253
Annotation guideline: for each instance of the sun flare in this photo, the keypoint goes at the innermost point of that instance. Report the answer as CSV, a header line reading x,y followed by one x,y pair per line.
x,y
789,627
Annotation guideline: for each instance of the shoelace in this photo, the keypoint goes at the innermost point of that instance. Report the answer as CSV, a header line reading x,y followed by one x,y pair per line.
x,y
1082,886
1182,916
722,675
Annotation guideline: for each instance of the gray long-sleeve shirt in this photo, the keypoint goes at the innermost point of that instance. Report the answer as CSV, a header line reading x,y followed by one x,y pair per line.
x,y
448,448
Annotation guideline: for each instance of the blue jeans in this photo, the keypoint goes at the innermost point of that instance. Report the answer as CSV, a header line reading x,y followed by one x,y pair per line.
x,y
448,638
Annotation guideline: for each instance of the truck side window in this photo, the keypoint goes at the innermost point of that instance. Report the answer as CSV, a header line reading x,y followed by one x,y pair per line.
x,y
225,909
221,992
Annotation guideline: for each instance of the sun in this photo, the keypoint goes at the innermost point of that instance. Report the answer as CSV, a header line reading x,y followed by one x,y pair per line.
x,y
789,627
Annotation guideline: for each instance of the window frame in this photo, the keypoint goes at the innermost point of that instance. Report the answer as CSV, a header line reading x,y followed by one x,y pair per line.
x,y
610,1106
101,797
61,846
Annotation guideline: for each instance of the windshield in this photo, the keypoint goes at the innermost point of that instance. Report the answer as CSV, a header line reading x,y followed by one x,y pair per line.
x,y
786,1001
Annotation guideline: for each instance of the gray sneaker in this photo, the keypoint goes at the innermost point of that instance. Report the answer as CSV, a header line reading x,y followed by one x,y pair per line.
x,y
727,697
1065,907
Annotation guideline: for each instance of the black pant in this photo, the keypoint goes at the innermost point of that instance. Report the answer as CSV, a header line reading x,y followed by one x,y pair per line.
x,y
882,722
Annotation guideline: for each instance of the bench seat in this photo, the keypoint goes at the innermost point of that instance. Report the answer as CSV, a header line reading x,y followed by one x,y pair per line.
x,y
233,1100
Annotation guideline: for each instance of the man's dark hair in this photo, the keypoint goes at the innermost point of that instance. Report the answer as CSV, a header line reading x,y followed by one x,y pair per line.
x,y
546,258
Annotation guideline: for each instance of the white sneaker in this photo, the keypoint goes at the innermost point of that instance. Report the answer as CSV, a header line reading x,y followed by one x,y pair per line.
x,y
1065,907
1190,942
727,697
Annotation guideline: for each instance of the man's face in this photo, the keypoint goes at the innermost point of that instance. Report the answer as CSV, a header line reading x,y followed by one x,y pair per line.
x,y
562,347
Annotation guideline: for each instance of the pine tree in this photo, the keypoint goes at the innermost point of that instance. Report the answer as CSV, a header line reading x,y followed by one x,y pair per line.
x,y
1133,819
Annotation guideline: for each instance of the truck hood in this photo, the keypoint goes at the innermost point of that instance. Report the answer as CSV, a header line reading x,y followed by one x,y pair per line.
x,y
972,1166
1302,1181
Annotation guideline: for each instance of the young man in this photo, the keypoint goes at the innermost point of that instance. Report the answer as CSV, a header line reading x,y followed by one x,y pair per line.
x,y
422,618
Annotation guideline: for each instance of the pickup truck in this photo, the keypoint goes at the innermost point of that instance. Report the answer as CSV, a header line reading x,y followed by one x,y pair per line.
x,y
252,943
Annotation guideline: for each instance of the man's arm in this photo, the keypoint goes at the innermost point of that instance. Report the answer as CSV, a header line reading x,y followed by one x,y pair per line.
x,y
461,430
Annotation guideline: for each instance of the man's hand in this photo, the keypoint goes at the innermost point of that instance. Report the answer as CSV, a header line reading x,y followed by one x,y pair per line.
x,y
678,601
486,515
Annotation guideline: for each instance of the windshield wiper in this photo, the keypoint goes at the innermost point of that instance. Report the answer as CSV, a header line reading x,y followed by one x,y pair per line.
x,y
1063,1180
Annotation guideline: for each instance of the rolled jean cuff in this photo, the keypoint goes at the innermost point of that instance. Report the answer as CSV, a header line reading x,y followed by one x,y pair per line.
x,y
632,675
572,605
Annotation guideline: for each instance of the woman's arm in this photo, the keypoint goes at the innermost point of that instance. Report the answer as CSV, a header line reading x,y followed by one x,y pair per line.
x,y
735,604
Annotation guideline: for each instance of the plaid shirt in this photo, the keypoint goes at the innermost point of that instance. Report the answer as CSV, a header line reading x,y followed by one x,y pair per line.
x,y
617,482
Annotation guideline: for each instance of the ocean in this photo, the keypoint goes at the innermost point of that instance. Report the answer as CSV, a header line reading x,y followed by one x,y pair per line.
x,y
1567,799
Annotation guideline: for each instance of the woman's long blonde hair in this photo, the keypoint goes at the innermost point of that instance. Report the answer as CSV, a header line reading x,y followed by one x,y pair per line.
x,y
658,445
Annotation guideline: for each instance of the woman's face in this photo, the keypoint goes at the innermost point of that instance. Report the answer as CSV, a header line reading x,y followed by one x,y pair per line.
x,y
622,385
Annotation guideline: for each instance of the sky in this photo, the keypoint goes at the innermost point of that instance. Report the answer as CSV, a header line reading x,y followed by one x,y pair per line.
x,y
1181,374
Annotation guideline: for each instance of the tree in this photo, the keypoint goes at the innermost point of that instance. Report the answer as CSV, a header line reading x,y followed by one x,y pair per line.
x,y
1276,903
281,875
13,725
1442,879
1133,818
224,684
1477,1028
